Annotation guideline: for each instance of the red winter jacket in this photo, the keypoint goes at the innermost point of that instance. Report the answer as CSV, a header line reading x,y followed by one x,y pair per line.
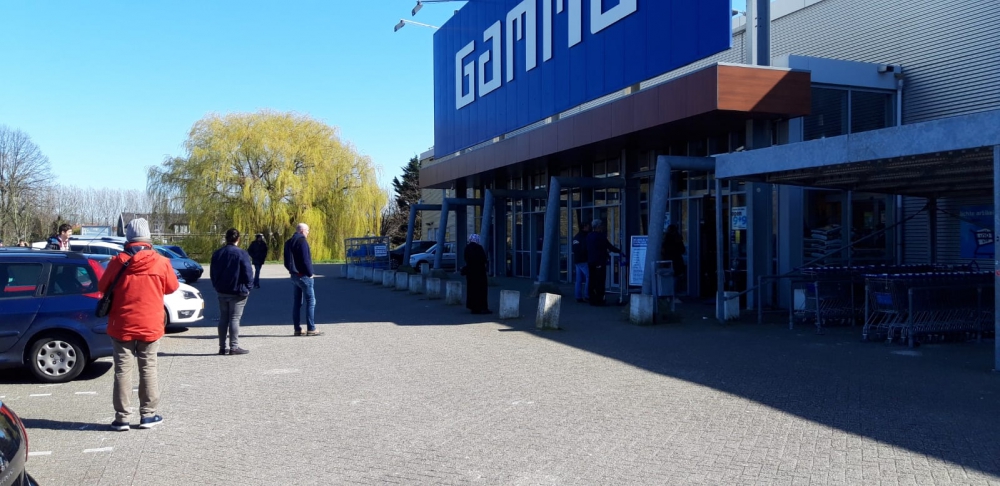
x,y
137,308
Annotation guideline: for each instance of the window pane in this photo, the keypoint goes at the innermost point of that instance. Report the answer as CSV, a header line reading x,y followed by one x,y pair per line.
x,y
68,279
19,279
829,114
870,111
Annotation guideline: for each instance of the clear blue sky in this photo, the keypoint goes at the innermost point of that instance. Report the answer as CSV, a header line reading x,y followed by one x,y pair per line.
x,y
107,88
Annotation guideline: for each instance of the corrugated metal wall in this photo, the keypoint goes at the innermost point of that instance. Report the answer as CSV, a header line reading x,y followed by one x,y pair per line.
x,y
950,231
916,239
916,248
949,49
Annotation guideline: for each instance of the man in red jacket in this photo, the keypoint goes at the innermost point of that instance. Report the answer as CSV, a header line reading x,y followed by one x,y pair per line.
x,y
135,322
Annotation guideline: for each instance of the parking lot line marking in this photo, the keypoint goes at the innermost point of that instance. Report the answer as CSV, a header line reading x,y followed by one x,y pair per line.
x,y
39,453
102,449
40,395
86,393
50,384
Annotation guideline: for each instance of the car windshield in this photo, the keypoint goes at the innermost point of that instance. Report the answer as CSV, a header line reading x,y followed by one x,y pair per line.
x,y
167,253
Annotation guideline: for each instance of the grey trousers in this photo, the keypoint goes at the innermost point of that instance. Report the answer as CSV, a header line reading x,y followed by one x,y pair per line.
x,y
127,354
230,312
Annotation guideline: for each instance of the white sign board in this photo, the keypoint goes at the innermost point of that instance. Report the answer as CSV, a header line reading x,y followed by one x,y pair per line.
x,y
381,251
637,266
739,221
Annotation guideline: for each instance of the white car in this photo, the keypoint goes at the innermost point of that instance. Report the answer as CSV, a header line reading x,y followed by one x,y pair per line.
x,y
183,306
447,258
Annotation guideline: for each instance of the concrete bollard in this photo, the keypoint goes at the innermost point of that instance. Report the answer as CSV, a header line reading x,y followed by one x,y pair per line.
x,y
433,288
388,278
402,281
416,284
641,309
350,272
425,268
369,274
356,272
377,276
548,311
510,304
343,271
453,292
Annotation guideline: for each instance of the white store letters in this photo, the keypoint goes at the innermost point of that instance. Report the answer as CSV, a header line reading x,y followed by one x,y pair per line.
x,y
522,24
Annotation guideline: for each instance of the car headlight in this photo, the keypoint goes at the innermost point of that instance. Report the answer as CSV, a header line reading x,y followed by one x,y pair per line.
x,y
190,295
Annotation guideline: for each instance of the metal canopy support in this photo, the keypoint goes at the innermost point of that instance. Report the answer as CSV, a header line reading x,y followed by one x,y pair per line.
x,y
996,255
413,221
452,204
550,236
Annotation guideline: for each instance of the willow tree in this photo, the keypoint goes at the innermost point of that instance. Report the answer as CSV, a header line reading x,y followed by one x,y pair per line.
x,y
265,172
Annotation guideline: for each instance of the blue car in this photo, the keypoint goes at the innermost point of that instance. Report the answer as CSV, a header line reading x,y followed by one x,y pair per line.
x,y
47,322
186,267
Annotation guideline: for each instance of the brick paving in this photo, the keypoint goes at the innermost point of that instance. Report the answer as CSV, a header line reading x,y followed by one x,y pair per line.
x,y
404,390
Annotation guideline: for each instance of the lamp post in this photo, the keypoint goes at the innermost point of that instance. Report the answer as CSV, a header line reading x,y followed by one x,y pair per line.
x,y
402,23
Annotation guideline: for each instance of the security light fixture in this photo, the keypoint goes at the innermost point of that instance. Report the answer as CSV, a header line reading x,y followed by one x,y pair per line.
x,y
402,23
420,4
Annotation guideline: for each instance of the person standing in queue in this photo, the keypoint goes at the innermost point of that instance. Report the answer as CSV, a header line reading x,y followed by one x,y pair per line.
x,y
582,275
476,280
135,323
258,254
598,247
231,276
298,262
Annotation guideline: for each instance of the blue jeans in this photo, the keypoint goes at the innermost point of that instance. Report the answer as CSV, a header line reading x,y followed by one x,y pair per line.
x,y
256,275
304,293
582,275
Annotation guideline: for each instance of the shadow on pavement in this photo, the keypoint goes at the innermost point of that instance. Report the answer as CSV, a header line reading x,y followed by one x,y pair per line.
x,y
939,400
22,376
60,425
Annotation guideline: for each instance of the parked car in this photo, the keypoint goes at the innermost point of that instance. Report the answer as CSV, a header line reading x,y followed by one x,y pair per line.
x,y
447,258
106,246
184,306
47,320
396,254
13,449
188,268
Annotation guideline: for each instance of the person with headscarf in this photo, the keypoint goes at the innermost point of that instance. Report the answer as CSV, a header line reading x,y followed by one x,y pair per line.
x,y
475,276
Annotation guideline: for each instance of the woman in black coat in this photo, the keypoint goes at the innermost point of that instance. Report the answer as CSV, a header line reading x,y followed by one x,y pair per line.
x,y
475,276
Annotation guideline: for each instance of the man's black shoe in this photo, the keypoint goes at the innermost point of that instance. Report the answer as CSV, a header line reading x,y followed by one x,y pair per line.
x,y
223,351
235,351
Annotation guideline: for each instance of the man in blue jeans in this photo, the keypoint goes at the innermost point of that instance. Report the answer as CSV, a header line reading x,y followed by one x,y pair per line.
x,y
298,261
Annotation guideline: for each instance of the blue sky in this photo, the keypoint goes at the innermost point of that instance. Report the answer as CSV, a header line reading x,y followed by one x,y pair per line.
x,y
108,88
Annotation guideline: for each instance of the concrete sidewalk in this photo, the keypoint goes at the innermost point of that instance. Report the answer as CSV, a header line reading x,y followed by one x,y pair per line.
x,y
406,390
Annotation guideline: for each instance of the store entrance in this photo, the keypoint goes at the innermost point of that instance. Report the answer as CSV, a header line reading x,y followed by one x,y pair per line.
x,y
707,250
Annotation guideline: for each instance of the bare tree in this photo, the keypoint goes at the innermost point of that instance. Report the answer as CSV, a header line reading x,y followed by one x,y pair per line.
x,y
24,174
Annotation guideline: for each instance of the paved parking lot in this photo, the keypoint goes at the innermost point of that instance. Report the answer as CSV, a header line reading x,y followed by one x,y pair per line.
x,y
406,390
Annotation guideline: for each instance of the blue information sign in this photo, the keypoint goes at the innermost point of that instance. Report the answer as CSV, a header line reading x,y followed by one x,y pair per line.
x,y
500,65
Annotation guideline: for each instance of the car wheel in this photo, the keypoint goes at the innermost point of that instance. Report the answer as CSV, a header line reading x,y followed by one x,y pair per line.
x,y
166,318
192,280
56,358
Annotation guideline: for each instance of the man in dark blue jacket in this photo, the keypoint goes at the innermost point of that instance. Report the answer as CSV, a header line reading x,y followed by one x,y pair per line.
x,y
598,247
298,261
232,276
